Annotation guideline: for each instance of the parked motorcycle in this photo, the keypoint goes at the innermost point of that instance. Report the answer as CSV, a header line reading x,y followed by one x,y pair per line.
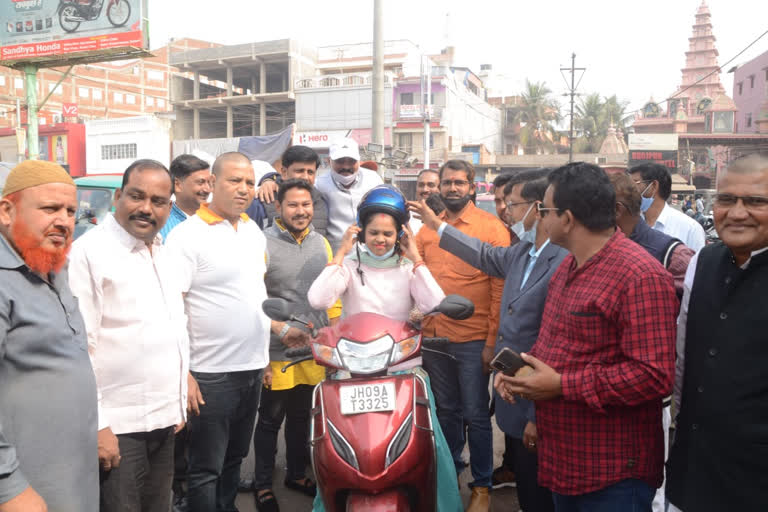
x,y
74,12
371,435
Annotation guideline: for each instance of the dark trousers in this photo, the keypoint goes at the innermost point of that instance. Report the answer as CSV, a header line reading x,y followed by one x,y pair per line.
x,y
220,436
532,496
180,463
142,481
461,395
629,495
508,461
293,405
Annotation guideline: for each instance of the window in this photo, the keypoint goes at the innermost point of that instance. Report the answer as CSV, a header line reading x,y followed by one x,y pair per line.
x,y
83,92
135,70
150,101
160,103
54,89
97,94
118,97
406,98
752,81
18,83
2,81
405,142
118,151
749,119
766,76
157,76
130,99
740,85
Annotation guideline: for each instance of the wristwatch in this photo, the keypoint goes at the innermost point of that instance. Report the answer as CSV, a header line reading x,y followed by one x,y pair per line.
x,y
284,331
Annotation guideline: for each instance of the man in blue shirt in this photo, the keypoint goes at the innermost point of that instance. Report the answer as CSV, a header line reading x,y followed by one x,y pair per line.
x,y
191,186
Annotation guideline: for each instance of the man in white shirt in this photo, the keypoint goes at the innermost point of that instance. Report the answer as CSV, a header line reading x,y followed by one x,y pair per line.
x,y
137,341
655,185
220,255
344,187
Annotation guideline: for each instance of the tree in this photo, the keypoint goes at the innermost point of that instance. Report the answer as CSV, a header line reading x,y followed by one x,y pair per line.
x,y
592,118
536,114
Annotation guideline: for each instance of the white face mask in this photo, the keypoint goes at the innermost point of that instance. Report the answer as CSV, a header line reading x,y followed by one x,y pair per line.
x,y
518,228
342,180
530,235
384,256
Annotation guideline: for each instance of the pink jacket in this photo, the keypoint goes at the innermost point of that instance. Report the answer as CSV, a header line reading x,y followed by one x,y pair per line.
x,y
392,291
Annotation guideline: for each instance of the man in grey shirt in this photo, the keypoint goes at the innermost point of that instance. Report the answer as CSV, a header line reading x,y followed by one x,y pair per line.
x,y
48,451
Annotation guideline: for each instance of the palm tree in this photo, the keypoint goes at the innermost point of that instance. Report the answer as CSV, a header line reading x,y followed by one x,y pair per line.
x,y
536,114
594,116
588,120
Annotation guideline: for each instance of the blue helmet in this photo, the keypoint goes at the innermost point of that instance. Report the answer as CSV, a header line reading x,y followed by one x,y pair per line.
x,y
384,199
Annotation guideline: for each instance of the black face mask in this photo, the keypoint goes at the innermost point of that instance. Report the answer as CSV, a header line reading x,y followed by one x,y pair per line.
x,y
456,204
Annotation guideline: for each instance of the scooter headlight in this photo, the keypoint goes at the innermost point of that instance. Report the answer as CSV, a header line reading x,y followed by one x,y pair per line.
x,y
368,357
403,349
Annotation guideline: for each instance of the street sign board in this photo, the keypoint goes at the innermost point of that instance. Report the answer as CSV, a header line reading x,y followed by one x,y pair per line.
x,y
69,110
59,32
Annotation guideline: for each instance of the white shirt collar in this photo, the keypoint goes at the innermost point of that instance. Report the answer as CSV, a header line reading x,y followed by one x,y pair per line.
x,y
124,237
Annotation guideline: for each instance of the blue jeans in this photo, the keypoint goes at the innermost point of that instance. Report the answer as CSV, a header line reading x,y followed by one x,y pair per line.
x,y
461,395
220,437
629,495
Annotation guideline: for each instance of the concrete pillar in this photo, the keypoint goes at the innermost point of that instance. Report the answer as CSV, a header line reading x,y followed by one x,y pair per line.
x,y
262,78
230,114
263,118
254,85
254,124
196,111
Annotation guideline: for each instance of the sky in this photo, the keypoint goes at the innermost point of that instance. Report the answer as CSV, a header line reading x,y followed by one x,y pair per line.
x,y
634,49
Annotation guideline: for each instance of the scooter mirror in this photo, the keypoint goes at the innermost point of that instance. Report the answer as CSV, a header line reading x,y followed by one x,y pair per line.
x,y
277,309
456,307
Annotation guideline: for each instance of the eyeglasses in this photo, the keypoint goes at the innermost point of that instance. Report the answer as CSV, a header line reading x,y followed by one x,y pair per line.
x,y
544,211
750,202
456,183
512,205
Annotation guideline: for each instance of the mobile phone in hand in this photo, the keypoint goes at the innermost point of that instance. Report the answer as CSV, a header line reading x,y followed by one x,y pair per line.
x,y
508,362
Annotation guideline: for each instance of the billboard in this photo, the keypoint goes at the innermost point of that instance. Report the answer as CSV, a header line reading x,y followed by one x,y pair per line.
x,y
57,32
659,148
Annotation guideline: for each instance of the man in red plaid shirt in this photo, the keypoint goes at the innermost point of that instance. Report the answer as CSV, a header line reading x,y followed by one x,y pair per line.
x,y
604,358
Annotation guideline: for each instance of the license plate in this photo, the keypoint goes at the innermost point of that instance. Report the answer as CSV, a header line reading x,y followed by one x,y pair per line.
x,y
367,398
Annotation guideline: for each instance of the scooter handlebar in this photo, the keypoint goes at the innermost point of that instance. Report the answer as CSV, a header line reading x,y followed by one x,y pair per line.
x,y
298,352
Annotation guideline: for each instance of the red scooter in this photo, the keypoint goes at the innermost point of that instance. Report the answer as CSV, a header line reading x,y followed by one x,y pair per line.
x,y
371,435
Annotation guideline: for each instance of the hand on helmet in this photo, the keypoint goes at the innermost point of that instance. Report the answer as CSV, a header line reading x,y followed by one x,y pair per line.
x,y
347,243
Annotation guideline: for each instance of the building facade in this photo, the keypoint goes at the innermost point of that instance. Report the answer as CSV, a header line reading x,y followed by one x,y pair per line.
x,y
750,93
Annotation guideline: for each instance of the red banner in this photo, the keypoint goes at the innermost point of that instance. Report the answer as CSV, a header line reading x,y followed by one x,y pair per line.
x,y
81,44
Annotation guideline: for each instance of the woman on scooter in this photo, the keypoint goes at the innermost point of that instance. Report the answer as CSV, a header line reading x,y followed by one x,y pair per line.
x,y
386,275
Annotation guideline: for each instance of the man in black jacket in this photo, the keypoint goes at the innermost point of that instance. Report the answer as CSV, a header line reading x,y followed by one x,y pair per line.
x,y
719,457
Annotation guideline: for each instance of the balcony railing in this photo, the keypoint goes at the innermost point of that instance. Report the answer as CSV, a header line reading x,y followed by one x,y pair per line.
x,y
340,80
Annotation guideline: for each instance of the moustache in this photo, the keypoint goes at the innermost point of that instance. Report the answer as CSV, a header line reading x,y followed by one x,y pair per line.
x,y
144,218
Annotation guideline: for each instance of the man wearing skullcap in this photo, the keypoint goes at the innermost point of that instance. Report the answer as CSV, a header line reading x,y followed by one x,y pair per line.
x,y
48,419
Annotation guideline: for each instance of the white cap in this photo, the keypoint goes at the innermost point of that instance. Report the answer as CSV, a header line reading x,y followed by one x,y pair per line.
x,y
344,148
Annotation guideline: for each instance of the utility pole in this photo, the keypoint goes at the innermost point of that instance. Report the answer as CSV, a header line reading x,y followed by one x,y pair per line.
x,y
426,100
572,93
377,128
33,142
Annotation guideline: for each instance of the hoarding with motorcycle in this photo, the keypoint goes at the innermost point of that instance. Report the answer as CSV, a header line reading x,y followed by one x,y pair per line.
x,y
39,30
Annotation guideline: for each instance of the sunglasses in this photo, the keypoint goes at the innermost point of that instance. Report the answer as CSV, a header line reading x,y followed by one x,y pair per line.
x,y
544,211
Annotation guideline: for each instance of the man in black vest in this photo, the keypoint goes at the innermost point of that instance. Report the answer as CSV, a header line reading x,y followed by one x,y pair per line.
x,y
719,457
